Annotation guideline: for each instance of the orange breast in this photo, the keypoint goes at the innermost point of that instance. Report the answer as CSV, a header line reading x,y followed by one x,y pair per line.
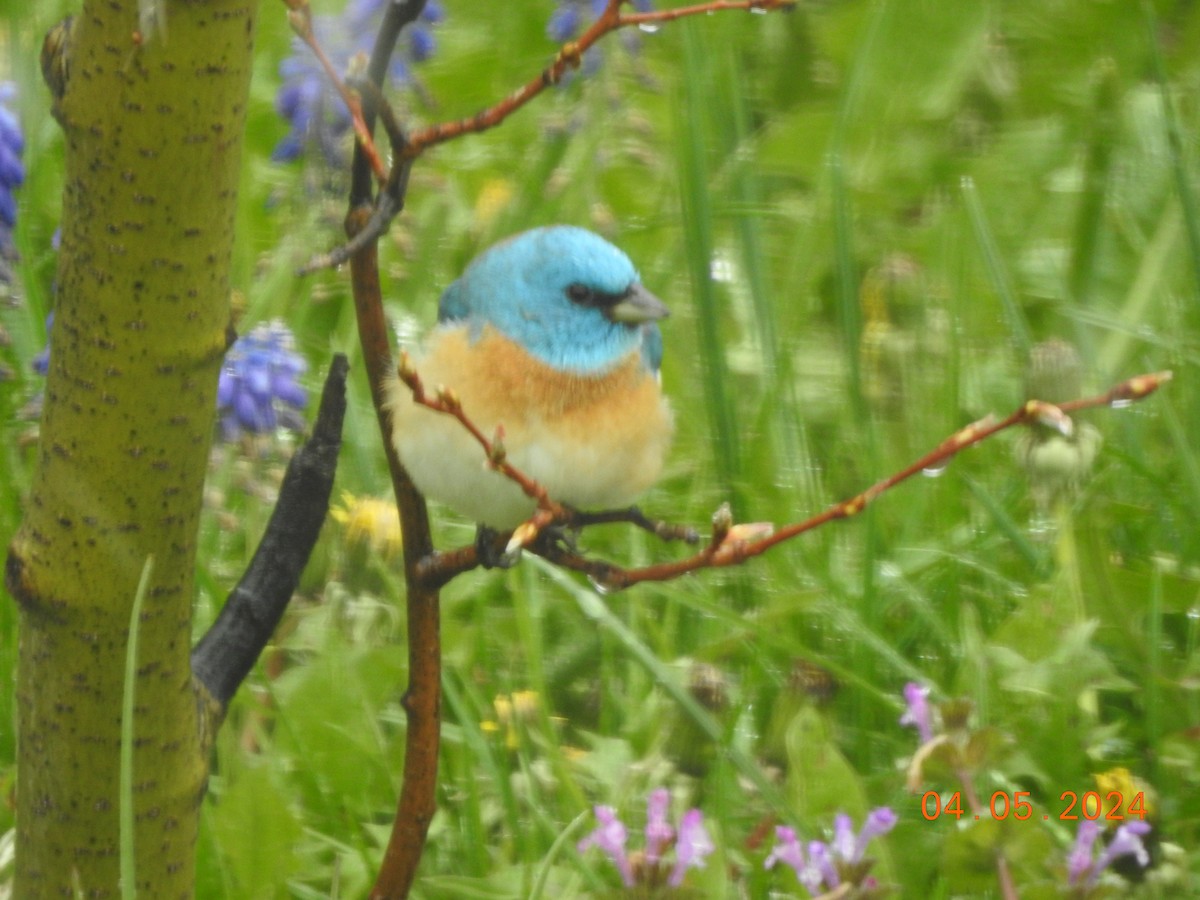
x,y
592,441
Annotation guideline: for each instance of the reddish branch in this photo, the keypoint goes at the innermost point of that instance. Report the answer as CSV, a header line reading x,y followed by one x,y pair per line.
x,y
300,18
406,148
730,543
728,547
569,57
446,401
422,700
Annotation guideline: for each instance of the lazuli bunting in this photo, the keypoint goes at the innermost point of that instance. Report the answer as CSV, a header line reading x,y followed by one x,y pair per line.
x,y
551,336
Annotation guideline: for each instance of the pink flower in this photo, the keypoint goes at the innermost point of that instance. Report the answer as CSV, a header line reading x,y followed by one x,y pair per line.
x,y
825,865
609,836
1126,841
918,713
693,845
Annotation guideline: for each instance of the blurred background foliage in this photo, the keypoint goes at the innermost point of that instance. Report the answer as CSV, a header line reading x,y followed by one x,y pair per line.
x,y
864,216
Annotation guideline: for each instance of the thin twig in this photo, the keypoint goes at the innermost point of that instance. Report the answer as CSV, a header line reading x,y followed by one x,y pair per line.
x,y
397,15
422,700
548,511
390,202
731,544
300,18
736,544
569,57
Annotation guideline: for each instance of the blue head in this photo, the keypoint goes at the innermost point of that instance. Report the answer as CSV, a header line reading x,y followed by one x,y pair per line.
x,y
569,297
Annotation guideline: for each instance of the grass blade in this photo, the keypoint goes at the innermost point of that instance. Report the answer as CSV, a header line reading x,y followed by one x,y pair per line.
x,y
128,850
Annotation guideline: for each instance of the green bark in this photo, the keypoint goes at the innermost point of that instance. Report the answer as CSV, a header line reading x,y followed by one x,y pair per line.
x,y
153,134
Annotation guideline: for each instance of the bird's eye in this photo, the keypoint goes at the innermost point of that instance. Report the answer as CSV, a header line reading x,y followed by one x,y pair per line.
x,y
579,293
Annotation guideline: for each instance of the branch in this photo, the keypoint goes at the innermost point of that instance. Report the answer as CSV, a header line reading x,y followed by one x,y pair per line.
x,y
730,543
390,201
397,15
570,57
735,544
227,652
406,149
422,699
300,19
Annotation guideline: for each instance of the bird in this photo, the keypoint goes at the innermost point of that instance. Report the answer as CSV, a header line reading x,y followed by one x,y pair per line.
x,y
550,337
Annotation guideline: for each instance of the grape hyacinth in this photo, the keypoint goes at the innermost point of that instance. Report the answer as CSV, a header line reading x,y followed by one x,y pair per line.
x,y
12,175
1083,871
825,866
307,100
257,391
692,843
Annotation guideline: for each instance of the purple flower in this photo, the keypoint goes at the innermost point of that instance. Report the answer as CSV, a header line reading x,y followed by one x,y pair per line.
x,y
918,713
844,839
307,100
571,17
787,850
658,830
825,865
821,859
257,390
693,847
1079,860
879,822
692,844
1126,841
12,174
609,836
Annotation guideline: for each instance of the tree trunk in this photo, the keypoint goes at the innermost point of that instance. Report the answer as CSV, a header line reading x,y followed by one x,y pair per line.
x,y
153,126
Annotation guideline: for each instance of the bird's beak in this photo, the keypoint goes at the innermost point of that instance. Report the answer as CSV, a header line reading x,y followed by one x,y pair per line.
x,y
636,307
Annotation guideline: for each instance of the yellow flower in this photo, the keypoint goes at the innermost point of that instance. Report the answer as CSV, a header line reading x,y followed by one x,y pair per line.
x,y
1125,795
370,522
519,706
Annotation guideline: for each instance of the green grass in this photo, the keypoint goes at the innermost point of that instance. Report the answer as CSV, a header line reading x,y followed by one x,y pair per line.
x,y
128,706
897,200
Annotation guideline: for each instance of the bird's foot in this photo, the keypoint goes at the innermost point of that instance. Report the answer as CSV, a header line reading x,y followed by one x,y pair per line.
x,y
490,547
563,536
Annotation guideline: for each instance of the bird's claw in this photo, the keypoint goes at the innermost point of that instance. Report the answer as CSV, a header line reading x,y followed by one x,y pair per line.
x,y
490,548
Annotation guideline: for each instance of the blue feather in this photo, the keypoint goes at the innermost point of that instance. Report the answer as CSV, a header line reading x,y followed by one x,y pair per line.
x,y
559,292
